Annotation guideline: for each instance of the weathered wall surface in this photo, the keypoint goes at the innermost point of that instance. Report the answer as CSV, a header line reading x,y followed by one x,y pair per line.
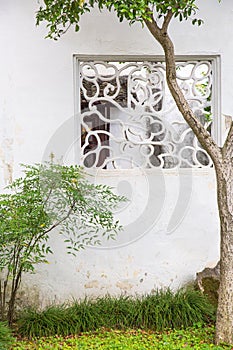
x,y
36,99
153,251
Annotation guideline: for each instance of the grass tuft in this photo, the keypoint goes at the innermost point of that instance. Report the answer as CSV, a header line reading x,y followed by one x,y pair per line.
x,y
158,311
6,338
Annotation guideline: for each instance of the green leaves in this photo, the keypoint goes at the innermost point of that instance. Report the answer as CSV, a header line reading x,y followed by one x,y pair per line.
x,y
61,14
6,337
49,196
181,9
192,338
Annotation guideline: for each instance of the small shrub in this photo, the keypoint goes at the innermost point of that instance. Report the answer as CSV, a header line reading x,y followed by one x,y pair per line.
x,y
6,338
158,311
45,197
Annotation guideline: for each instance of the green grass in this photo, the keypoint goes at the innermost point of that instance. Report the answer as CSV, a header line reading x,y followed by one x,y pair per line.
x,y
198,338
158,311
6,338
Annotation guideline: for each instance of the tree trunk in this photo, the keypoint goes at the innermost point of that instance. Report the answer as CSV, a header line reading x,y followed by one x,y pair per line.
x,y
223,162
11,309
14,288
3,288
224,323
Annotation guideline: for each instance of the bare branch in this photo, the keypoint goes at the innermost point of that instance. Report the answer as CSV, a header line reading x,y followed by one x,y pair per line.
x,y
167,20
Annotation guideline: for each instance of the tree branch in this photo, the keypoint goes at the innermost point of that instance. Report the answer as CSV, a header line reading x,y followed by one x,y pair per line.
x,y
61,220
152,25
167,20
228,145
201,133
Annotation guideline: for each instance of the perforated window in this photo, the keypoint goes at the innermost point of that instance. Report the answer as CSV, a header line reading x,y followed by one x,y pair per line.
x,y
127,117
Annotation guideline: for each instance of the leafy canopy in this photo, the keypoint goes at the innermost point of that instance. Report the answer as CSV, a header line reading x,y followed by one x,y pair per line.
x,y
61,14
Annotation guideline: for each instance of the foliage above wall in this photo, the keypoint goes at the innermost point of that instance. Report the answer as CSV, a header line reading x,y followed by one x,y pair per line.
x,y
61,14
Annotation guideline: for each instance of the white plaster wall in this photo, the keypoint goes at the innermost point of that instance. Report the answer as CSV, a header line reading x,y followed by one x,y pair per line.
x,y
36,98
37,74
151,252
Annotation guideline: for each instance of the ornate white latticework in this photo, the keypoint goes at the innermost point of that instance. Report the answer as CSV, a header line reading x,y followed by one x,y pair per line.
x,y
129,119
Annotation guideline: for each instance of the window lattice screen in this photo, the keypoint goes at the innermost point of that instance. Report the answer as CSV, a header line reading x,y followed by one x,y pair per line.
x,y
129,119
